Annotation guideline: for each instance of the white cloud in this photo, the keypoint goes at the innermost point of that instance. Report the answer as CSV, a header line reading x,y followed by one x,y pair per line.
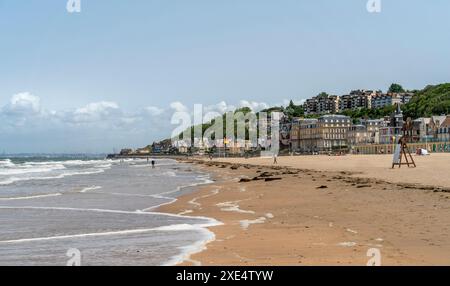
x,y
253,105
24,103
25,117
96,111
220,107
178,106
154,111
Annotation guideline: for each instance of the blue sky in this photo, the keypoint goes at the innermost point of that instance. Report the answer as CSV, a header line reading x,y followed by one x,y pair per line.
x,y
112,75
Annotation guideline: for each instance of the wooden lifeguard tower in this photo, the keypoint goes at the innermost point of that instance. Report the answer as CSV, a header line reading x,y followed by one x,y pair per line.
x,y
402,150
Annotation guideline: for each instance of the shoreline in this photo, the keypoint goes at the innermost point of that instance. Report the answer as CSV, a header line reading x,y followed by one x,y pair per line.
x,y
319,229
198,246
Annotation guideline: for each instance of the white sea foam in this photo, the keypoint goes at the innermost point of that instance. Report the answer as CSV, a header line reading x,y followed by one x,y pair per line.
x,y
347,244
178,227
209,220
205,180
6,163
269,215
31,197
197,247
232,207
29,169
12,180
78,167
352,231
93,188
245,224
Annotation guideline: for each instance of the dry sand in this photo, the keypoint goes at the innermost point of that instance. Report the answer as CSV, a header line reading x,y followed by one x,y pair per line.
x,y
324,211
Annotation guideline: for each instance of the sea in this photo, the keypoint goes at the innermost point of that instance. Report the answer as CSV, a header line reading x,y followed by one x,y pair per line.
x,y
88,210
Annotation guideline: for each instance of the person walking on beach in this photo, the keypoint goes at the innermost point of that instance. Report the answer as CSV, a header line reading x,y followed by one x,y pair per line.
x,y
153,164
275,159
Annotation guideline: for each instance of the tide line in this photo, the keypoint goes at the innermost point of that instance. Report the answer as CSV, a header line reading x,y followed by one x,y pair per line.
x,y
175,227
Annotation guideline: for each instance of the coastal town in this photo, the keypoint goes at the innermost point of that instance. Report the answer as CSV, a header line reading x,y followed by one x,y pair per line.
x,y
325,129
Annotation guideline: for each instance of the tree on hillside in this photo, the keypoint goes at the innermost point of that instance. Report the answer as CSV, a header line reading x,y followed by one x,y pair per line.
x,y
432,100
294,110
396,88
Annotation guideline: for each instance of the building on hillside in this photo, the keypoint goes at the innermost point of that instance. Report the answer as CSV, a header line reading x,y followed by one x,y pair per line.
x,y
125,152
310,106
389,99
357,99
322,104
182,146
361,99
345,102
143,151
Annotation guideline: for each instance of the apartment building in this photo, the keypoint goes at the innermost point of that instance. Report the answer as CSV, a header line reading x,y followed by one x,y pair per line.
x,y
389,99
373,128
358,135
394,130
322,104
333,132
308,135
443,131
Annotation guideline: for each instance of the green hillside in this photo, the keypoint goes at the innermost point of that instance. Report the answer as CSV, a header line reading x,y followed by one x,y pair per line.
x,y
432,100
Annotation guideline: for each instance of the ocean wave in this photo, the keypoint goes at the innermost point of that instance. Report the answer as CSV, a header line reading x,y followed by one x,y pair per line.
x,y
11,172
93,188
19,170
30,197
12,180
6,163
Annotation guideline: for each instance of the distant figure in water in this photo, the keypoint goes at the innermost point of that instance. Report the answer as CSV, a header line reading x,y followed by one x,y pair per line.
x,y
275,159
153,163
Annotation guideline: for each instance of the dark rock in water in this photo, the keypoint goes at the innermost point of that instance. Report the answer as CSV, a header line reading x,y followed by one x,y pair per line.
x,y
272,179
244,180
234,167
257,178
323,187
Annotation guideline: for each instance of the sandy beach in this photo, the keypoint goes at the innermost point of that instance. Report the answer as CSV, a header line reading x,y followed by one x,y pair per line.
x,y
322,210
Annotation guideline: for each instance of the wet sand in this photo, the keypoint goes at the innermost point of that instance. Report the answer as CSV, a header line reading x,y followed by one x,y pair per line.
x,y
326,213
